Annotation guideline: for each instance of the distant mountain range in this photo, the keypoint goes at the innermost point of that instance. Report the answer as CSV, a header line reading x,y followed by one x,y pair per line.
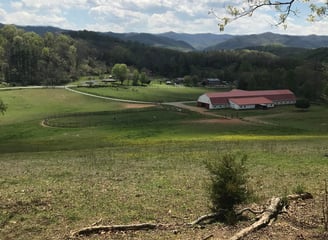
x,y
154,40
207,41
267,39
199,41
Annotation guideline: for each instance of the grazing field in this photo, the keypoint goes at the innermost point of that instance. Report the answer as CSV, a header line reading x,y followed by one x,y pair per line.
x,y
154,93
99,161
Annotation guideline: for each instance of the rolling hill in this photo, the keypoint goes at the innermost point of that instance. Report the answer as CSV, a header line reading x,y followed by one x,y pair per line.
x,y
154,40
266,39
199,41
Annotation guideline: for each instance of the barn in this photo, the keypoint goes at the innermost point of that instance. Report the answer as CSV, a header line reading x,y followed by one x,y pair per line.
x,y
241,99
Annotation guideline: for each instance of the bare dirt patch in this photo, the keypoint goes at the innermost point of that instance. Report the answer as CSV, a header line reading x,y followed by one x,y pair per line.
x,y
219,120
137,105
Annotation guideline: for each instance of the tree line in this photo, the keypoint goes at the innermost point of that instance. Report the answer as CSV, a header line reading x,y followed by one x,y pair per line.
x,y
52,59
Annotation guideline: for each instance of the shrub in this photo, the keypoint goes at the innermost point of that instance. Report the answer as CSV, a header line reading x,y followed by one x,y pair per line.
x,y
228,185
302,103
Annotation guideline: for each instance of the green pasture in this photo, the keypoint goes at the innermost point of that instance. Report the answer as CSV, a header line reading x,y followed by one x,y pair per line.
x,y
36,104
75,121
97,159
314,119
153,93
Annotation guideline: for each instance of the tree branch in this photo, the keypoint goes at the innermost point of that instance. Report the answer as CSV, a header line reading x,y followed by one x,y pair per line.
x,y
266,217
239,13
203,218
269,214
98,229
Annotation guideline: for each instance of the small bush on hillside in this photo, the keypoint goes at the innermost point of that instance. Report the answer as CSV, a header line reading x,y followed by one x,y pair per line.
x,y
302,103
228,185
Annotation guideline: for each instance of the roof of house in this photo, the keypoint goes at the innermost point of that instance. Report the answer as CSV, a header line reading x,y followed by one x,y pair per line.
x,y
250,101
213,80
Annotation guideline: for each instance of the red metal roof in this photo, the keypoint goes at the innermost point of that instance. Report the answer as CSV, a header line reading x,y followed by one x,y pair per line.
x,y
274,95
250,101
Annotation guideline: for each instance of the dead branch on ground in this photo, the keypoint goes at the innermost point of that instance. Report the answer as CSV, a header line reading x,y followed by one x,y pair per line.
x,y
265,217
270,213
112,228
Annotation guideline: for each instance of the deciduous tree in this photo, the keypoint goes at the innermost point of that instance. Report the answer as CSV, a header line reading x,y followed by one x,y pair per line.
x,y
120,71
302,103
135,77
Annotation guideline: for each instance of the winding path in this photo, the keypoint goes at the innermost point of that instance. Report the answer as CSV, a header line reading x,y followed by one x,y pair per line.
x,y
182,105
175,104
107,98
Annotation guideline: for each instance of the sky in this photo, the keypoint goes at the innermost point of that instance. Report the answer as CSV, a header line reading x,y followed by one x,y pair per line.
x,y
153,16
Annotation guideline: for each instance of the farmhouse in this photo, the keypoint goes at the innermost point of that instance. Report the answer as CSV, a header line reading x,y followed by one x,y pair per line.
x,y
212,82
240,99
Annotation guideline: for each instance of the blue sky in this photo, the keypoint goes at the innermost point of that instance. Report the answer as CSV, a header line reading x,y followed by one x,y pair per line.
x,y
151,16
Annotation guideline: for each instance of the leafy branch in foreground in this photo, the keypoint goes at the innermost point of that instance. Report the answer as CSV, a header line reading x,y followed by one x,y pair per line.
x,y
284,8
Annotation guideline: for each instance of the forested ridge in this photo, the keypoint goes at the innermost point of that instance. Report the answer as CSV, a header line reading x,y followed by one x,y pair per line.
x,y
52,59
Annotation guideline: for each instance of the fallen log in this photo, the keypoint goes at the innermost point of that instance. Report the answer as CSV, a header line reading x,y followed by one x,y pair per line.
x,y
267,216
99,229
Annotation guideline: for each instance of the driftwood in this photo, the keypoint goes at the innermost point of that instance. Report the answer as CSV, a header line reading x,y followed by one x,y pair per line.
x,y
113,228
214,216
267,216
207,217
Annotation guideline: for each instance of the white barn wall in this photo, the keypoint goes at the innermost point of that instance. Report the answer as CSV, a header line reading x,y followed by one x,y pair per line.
x,y
205,99
241,107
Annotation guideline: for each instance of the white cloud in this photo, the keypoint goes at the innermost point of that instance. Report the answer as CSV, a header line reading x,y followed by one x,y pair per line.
x,y
3,14
164,22
16,5
25,18
65,4
318,28
249,25
148,16
106,28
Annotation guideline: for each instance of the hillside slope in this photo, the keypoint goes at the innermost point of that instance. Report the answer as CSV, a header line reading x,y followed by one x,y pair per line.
x,y
265,39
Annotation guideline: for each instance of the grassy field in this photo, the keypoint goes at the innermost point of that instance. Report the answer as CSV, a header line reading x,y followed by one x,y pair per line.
x,y
102,160
154,93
